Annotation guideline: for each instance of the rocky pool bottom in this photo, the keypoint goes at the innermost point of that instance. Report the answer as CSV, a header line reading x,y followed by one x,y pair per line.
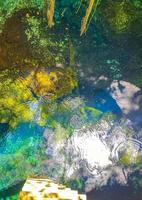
x,y
103,170
61,145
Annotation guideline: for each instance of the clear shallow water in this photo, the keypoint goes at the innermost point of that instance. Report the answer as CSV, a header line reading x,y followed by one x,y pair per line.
x,y
99,99
20,154
24,141
15,139
20,148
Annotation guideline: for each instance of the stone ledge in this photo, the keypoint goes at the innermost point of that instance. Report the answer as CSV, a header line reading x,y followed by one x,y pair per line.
x,y
46,189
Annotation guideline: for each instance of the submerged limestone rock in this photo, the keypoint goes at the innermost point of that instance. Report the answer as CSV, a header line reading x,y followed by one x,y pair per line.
x,y
43,188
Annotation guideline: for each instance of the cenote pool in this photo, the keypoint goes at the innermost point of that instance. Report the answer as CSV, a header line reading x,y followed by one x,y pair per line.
x,y
70,96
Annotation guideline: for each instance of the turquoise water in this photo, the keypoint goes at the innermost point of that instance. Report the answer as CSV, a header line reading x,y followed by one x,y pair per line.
x,y
21,154
28,133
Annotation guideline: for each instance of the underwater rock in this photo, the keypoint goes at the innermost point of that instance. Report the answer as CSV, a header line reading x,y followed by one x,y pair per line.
x,y
43,188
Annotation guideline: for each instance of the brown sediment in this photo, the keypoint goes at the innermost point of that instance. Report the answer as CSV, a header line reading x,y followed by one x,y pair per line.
x,y
14,48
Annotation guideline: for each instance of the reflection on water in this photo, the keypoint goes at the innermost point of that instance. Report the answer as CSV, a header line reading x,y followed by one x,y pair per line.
x,y
52,124
27,110
43,131
98,98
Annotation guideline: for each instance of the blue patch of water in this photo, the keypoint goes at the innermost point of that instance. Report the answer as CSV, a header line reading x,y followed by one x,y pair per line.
x,y
99,99
25,133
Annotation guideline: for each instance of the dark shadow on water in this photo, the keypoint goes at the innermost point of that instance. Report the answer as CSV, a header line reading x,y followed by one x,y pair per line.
x,y
3,130
115,192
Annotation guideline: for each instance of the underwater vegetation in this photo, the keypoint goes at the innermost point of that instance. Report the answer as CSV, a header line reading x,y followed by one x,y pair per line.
x,y
27,91
22,159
